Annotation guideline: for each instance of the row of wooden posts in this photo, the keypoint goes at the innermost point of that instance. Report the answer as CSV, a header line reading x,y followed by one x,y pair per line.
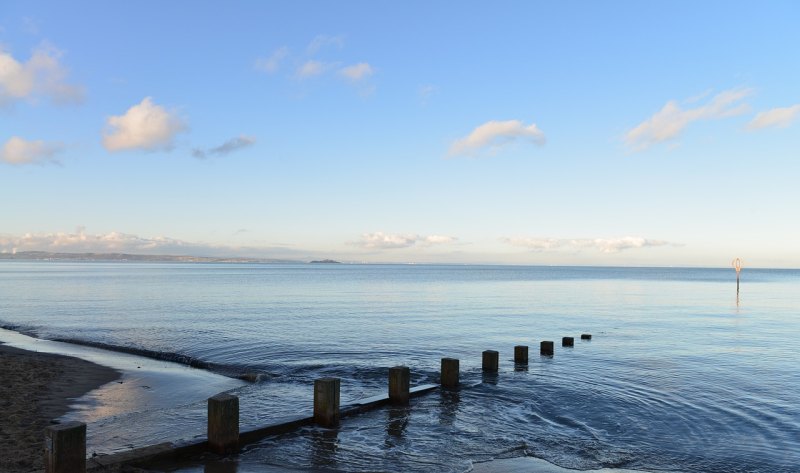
x,y
65,444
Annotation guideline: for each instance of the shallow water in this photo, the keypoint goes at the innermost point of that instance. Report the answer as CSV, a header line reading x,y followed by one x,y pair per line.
x,y
677,376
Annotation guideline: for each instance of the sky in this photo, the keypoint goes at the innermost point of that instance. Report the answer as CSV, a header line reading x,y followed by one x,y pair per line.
x,y
510,132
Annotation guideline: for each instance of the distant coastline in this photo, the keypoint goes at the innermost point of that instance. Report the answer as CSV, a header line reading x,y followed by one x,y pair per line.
x,y
121,257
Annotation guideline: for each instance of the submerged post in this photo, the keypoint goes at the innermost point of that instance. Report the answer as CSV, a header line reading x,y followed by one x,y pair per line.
x,y
586,336
65,448
491,360
399,385
223,423
737,265
449,374
546,348
521,354
326,402
567,342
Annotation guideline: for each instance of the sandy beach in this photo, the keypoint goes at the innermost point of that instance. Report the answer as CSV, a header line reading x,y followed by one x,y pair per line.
x,y
37,388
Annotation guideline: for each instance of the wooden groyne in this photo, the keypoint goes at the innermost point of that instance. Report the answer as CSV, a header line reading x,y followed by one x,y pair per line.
x,y
65,444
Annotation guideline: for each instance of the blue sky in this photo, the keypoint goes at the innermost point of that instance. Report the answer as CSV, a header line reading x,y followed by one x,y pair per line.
x,y
608,133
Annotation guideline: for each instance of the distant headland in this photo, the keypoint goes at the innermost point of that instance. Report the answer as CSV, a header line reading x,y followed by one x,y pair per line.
x,y
326,261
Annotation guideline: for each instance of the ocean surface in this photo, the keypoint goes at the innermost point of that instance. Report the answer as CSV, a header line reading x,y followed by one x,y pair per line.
x,y
679,375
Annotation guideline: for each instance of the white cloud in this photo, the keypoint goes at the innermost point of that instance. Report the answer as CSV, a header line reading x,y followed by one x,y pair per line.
x,y
117,242
357,72
311,69
80,241
668,123
145,126
19,151
42,75
385,241
777,117
438,239
495,134
271,64
234,144
604,245
322,41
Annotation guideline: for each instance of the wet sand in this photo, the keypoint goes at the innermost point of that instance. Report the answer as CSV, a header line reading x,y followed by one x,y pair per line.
x,y
36,388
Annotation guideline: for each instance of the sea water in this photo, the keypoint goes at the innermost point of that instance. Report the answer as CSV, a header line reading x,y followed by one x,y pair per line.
x,y
680,374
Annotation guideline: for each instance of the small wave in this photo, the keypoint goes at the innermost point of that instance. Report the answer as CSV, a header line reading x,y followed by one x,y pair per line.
x,y
23,329
231,371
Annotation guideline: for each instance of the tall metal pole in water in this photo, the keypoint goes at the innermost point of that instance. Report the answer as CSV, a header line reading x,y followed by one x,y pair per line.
x,y
737,265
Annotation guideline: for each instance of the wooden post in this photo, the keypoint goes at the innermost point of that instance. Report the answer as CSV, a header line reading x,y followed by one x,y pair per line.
x,y
567,342
521,354
546,348
491,360
326,402
586,336
223,423
449,374
399,385
65,448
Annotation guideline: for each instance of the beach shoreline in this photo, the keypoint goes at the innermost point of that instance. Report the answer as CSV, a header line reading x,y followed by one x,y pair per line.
x,y
38,388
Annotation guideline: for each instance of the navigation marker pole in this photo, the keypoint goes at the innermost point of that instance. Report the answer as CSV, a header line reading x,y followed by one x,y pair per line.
x,y
737,265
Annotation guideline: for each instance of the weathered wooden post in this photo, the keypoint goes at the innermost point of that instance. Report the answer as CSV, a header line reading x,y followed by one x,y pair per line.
x,y
326,402
586,336
567,342
521,354
491,360
399,385
65,448
449,374
546,348
223,423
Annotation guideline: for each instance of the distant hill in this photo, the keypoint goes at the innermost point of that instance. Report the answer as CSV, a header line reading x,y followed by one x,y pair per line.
x,y
48,256
326,261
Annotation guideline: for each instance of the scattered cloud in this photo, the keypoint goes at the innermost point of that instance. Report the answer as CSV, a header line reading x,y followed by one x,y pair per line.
x,y
357,72
309,65
19,151
668,123
387,241
604,245
42,75
271,64
311,69
30,26
144,126
323,41
425,92
494,135
234,144
777,117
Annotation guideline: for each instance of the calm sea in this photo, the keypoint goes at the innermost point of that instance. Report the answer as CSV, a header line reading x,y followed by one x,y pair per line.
x,y
678,375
